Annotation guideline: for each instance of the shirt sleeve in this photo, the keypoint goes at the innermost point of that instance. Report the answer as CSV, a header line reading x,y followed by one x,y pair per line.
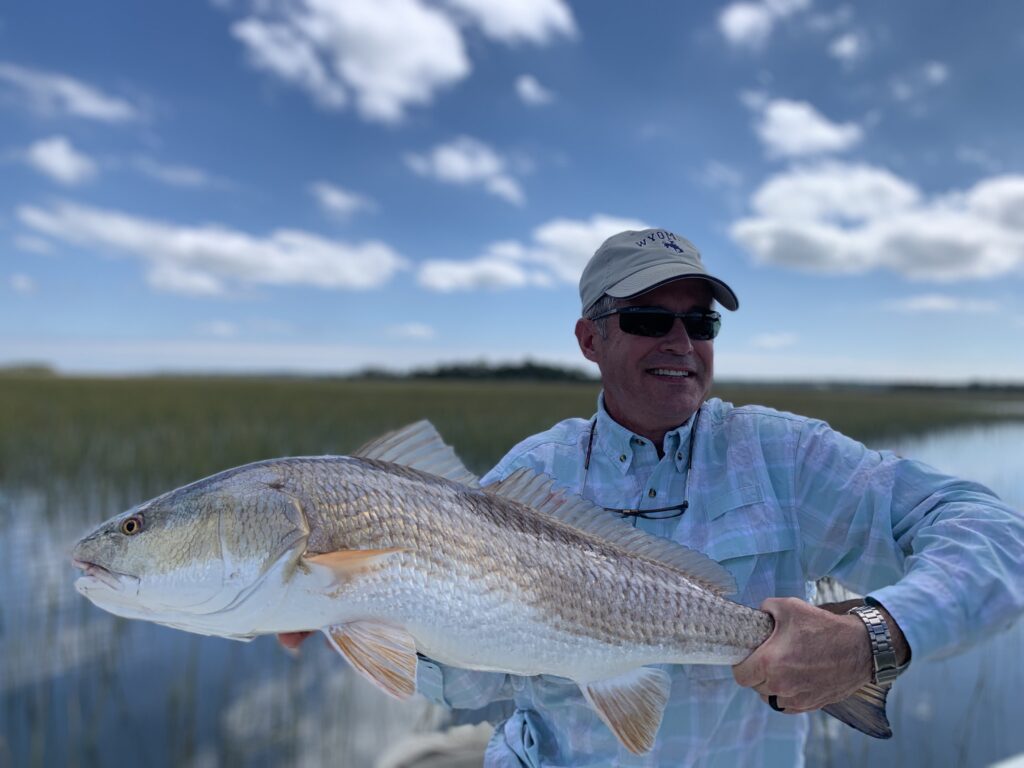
x,y
944,556
459,688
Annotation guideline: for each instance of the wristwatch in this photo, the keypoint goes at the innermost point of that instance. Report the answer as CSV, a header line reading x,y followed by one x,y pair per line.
x,y
883,654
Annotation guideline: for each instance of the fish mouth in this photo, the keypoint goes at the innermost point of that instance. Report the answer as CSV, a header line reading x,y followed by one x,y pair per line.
x,y
93,573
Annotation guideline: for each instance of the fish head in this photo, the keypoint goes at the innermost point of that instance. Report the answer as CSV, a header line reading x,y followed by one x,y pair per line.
x,y
191,552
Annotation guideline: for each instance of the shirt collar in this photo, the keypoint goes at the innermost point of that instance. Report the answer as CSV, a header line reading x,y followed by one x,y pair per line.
x,y
618,443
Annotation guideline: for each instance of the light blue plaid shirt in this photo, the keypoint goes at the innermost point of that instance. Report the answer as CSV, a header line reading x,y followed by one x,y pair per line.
x,y
779,500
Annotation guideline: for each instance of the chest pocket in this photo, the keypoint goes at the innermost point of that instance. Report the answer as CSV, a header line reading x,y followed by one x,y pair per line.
x,y
757,542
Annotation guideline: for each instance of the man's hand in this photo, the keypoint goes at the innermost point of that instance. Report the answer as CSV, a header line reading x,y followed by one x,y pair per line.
x,y
813,657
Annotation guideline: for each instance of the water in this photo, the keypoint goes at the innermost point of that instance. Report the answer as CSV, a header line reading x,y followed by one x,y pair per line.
x,y
79,687
965,710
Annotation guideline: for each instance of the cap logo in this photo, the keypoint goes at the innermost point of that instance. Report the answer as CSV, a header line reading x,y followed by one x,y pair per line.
x,y
674,247
654,237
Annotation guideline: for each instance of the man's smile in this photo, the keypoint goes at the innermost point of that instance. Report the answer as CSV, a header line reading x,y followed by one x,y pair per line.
x,y
670,373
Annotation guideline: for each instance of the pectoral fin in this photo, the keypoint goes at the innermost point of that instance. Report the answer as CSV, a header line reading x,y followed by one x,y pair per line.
x,y
345,563
631,705
385,655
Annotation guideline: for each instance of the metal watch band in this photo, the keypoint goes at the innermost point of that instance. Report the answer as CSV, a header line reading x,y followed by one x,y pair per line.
x,y
883,654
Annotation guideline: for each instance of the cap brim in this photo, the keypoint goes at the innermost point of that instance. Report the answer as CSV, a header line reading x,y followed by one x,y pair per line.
x,y
648,279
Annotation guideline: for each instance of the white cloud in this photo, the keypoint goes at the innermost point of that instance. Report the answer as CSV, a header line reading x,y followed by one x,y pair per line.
x,y
772,341
558,252
23,284
203,260
750,24
32,244
52,94
842,218
500,266
835,192
172,175
913,84
532,92
56,158
936,73
533,21
849,48
414,331
746,24
795,128
467,161
385,55
937,302
339,202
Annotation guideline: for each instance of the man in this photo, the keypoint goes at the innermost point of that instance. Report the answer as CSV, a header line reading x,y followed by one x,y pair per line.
x,y
778,499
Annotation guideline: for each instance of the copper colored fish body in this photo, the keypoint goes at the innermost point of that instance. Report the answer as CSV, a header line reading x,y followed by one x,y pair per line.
x,y
397,550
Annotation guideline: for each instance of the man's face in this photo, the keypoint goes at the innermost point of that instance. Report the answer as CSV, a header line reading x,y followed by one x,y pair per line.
x,y
643,388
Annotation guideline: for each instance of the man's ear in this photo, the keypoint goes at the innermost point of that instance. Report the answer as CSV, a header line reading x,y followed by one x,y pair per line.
x,y
588,338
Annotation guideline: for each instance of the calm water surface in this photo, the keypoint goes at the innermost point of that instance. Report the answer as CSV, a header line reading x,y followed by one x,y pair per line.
x,y
966,710
79,687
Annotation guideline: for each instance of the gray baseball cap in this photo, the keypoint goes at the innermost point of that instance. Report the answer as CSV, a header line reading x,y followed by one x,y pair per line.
x,y
631,263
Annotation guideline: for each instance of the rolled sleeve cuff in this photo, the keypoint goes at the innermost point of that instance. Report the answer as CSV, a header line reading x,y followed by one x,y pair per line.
x,y
430,680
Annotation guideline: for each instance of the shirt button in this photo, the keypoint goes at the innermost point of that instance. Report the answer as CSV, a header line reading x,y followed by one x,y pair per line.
x,y
622,457
652,493
679,457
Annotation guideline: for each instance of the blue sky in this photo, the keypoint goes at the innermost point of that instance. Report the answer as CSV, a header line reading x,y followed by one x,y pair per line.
x,y
320,186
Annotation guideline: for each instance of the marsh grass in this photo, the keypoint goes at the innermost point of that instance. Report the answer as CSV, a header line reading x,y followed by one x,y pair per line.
x,y
147,430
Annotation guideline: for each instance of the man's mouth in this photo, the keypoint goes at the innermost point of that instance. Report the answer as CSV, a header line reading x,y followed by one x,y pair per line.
x,y
672,373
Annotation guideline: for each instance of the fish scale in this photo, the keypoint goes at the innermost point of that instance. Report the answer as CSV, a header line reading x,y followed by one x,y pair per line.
x,y
397,550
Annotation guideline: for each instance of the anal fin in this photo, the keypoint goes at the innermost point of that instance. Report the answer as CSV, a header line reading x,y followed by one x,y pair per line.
x,y
864,710
384,654
631,705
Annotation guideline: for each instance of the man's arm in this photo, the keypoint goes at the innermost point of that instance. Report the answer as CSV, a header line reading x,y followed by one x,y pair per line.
x,y
924,547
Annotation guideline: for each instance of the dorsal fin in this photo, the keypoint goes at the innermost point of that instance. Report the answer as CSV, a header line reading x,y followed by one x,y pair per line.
x,y
538,492
419,446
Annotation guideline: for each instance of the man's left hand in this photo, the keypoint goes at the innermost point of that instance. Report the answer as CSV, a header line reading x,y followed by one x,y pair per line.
x,y
813,658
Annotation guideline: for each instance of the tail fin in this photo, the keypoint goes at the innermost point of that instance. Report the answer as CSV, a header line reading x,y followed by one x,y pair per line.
x,y
864,710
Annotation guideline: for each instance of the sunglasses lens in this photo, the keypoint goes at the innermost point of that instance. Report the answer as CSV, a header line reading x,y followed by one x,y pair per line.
x,y
646,323
700,326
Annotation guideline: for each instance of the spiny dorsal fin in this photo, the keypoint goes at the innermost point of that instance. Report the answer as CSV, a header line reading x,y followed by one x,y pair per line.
x,y
537,491
419,446
384,654
631,705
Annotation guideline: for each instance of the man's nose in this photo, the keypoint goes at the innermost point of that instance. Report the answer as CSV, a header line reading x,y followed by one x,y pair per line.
x,y
677,340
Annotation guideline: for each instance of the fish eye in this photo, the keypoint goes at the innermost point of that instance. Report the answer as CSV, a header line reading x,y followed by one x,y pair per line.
x,y
132,525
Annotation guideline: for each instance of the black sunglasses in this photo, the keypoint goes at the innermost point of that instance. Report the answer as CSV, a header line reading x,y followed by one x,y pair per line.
x,y
700,325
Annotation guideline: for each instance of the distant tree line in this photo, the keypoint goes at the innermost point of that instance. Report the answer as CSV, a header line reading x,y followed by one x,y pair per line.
x,y
525,371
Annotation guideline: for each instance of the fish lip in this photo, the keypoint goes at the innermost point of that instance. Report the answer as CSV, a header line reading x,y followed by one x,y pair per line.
x,y
93,573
